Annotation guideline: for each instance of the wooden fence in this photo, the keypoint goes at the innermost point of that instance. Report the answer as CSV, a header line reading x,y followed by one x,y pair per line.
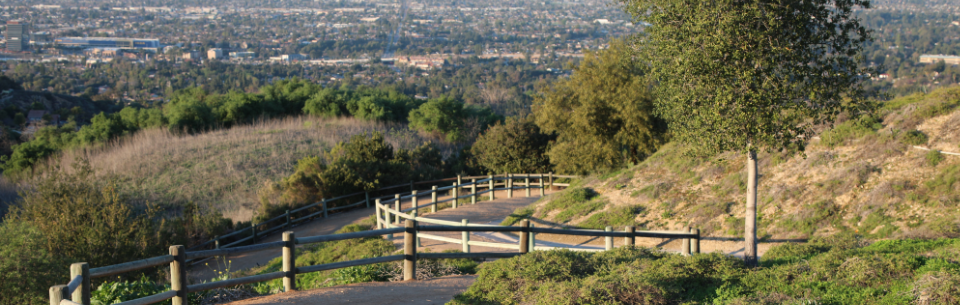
x,y
77,291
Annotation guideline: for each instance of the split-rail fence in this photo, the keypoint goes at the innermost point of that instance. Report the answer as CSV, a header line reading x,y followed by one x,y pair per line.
x,y
78,290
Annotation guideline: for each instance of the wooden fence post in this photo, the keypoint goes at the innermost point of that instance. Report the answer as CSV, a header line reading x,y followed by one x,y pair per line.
x,y
632,239
376,211
82,294
396,206
455,195
409,251
416,212
465,236
533,239
526,184
542,191
524,236
551,181
366,198
473,191
433,200
324,201
493,188
414,204
459,183
287,224
178,275
289,261
253,230
607,240
685,245
58,293
509,184
695,244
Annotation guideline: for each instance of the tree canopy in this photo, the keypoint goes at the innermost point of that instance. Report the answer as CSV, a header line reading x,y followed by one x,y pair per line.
x,y
735,74
602,115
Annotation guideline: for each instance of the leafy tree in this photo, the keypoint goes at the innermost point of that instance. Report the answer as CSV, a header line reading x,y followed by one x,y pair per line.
x,y
328,103
602,115
752,75
516,146
447,116
187,111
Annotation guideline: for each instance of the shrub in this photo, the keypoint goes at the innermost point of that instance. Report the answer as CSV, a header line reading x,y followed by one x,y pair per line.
x,y
915,137
934,157
122,291
852,129
27,267
516,146
87,220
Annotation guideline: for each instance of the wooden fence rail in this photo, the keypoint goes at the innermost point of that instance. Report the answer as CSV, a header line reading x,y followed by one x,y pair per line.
x,y
77,291
61,294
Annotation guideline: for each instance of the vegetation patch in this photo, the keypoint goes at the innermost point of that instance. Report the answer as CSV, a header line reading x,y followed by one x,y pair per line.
x,y
837,270
617,217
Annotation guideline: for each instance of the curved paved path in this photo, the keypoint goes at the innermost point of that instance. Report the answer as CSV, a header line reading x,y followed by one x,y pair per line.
x,y
434,291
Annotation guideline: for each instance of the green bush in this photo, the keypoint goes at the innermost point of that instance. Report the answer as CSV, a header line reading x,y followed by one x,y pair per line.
x,y
27,267
122,291
516,146
835,270
87,220
364,163
934,157
852,129
915,137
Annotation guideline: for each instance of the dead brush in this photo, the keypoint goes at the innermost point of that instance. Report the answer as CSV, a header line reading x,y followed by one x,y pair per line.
x,y
937,288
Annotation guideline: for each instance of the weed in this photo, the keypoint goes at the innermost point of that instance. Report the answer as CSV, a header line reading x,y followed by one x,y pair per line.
x,y
934,157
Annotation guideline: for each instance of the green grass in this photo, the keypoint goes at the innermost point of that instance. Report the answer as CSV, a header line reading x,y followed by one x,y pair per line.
x,y
617,217
852,129
835,270
517,215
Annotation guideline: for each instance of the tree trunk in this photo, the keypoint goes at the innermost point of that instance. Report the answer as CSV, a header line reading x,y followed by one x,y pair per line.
x,y
750,236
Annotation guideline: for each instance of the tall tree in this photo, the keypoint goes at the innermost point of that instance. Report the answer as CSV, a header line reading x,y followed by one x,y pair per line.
x,y
752,75
602,115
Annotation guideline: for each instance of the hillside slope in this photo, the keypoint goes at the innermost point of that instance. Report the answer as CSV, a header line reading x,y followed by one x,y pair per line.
x,y
224,169
863,176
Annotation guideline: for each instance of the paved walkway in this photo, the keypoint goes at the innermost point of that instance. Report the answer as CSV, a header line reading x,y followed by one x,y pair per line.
x,y
434,291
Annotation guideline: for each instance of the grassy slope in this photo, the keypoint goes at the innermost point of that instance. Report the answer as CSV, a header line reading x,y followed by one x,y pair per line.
x,y
870,181
837,270
223,169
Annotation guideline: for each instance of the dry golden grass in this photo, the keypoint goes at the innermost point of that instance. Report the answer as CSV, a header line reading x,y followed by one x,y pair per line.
x,y
223,169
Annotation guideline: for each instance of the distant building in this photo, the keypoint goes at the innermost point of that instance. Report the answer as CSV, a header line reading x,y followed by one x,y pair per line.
x,y
947,59
213,54
421,62
242,55
288,57
17,36
109,42
191,55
